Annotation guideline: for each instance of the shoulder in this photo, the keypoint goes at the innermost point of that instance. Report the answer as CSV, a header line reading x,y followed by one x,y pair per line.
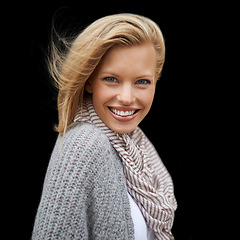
x,y
81,153
86,133
84,138
77,160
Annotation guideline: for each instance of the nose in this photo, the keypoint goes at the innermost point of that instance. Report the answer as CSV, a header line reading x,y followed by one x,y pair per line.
x,y
125,95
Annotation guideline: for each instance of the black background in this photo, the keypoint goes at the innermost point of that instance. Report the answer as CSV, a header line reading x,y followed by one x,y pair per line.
x,y
191,122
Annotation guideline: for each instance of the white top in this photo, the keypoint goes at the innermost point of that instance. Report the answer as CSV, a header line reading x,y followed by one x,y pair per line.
x,y
141,230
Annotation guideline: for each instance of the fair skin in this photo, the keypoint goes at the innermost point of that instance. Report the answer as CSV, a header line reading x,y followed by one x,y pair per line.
x,y
123,86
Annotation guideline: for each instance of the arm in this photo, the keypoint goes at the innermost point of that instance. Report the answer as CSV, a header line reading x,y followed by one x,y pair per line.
x,y
62,213
82,198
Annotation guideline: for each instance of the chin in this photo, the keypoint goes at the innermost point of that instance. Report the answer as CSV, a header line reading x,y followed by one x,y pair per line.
x,y
123,129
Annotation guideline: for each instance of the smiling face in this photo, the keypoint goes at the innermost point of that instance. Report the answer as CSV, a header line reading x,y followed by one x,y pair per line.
x,y
123,86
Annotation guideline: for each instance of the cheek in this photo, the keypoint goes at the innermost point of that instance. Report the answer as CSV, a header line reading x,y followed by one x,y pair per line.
x,y
147,99
101,94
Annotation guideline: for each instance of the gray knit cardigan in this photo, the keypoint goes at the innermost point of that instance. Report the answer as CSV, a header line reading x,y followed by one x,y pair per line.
x,y
84,194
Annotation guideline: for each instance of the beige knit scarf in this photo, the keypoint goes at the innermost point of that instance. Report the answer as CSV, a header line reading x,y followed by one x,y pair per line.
x,y
147,179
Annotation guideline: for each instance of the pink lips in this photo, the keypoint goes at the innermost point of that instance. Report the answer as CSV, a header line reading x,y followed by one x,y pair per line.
x,y
123,114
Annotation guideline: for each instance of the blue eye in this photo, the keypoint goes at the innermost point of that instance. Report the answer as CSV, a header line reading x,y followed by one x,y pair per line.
x,y
110,79
143,82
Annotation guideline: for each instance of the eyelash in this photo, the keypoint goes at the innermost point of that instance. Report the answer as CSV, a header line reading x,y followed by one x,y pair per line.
x,y
108,79
146,81
113,80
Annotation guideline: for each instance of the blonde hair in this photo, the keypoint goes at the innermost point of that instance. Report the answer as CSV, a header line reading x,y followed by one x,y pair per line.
x,y
72,68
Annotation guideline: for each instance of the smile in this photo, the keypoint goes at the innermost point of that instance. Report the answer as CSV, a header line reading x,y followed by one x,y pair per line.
x,y
123,114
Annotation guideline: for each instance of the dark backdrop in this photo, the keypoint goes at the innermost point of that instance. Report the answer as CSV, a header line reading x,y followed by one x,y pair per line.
x,y
190,121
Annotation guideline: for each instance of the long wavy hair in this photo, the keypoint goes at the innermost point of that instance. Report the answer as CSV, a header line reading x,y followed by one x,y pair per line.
x,y
71,63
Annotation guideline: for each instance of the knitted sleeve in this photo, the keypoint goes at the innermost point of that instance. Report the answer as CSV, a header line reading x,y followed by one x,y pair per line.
x,y
84,194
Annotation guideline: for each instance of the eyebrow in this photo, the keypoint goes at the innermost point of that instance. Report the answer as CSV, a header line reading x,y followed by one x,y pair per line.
x,y
110,73
144,76
139,77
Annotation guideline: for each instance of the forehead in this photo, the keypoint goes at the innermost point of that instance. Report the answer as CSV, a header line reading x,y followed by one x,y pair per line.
x,y
131,60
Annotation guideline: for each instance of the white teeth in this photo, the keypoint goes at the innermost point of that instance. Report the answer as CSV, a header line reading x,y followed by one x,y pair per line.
x,y
122,113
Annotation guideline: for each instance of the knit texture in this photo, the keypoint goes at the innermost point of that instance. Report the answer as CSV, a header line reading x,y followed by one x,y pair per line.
x,y
84,194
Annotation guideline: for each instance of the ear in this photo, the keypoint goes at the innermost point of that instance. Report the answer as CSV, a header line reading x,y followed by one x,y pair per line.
x,y
89,86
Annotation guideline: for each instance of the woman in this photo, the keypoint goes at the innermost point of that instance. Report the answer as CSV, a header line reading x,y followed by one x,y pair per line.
x,y
105,180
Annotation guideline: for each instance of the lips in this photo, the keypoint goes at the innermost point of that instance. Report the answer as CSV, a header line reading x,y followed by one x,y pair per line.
x,y
123,114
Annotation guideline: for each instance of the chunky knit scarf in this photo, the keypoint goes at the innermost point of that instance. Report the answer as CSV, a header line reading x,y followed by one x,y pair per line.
x,y
147,179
